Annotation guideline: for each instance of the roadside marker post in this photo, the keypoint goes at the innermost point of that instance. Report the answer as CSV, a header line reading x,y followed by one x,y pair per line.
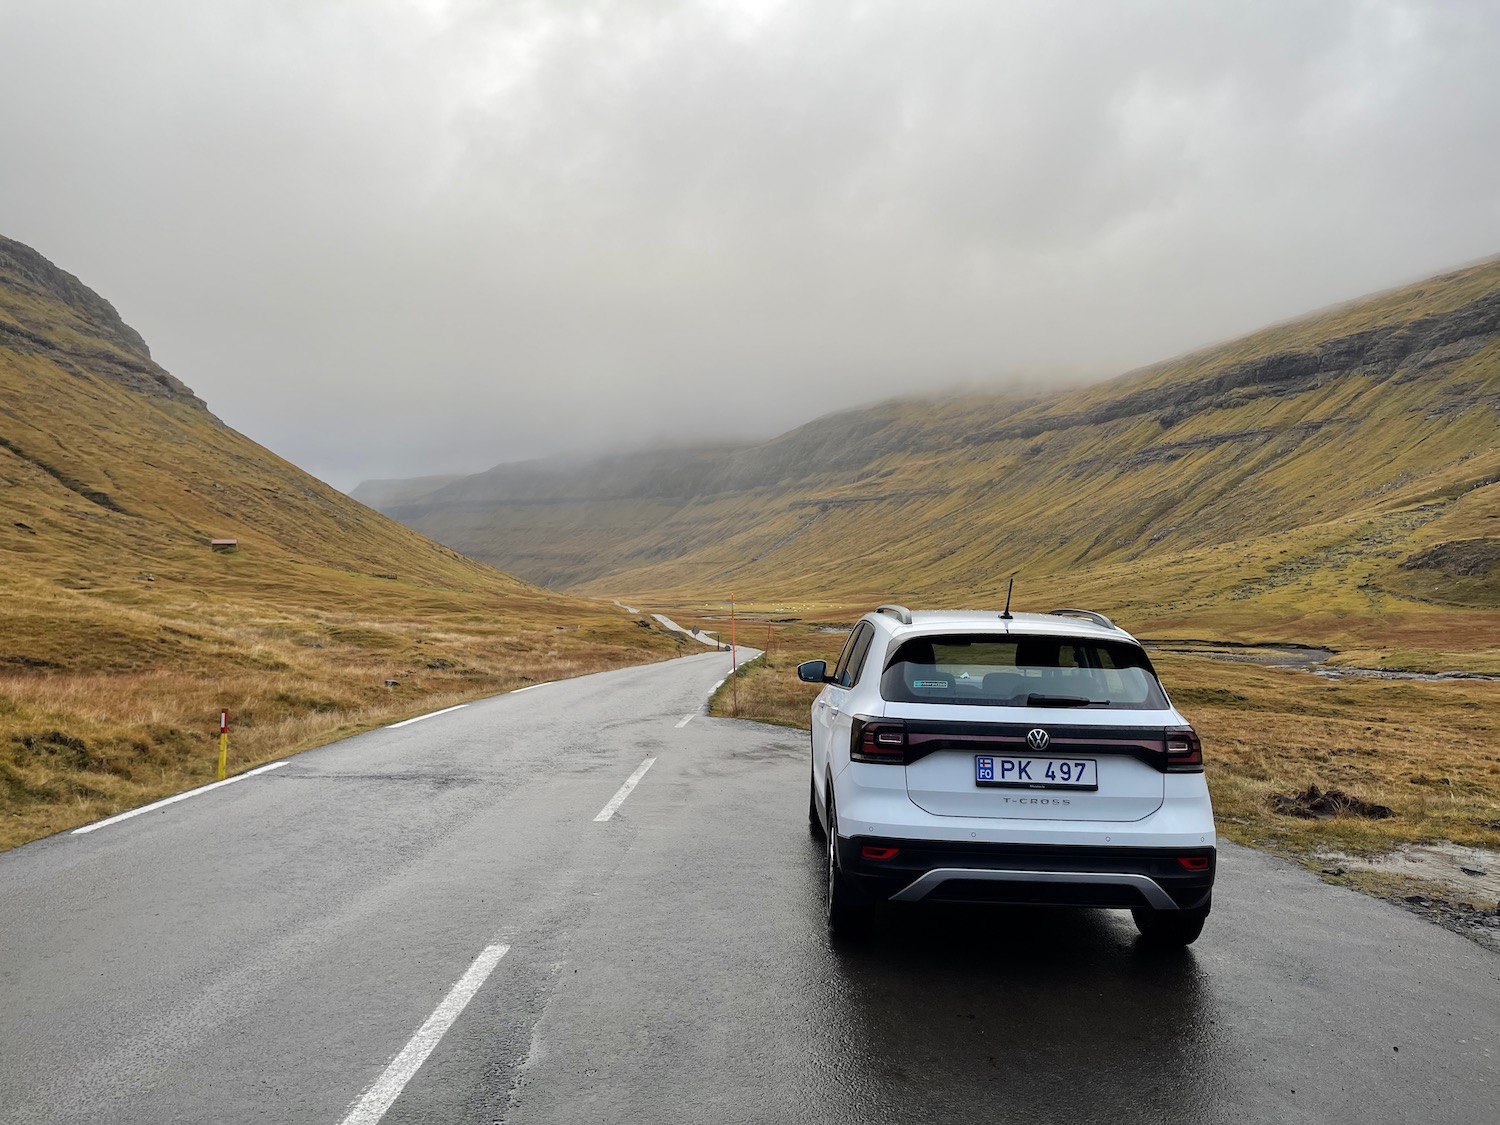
x,y
734,666
223,743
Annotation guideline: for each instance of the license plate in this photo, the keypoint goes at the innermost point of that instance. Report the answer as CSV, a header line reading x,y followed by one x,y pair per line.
x,y
1037,773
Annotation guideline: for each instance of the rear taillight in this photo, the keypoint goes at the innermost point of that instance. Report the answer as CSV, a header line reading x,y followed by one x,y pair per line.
x,y
1184,751
1194,862
874,851
878,740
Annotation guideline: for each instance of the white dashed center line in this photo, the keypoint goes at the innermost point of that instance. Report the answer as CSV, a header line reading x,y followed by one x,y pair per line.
x,y
618,799
378,1098
684,721
429,715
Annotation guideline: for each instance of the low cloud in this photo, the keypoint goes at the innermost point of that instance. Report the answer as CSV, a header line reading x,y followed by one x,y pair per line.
x,y
389,239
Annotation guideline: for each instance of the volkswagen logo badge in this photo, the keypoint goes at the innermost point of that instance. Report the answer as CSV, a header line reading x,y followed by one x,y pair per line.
x,y
1037,739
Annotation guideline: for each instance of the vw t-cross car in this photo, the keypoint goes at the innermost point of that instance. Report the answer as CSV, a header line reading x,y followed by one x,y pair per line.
x,y
1026,758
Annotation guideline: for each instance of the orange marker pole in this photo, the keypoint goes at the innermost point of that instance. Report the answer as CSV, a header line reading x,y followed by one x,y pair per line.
x,y
734,664
223,743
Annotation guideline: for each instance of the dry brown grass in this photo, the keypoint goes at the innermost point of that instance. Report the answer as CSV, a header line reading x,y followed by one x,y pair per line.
x,y
1429,751
768,691
87,730
768,688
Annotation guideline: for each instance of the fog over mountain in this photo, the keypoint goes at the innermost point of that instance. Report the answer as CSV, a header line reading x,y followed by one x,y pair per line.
x,y
402,237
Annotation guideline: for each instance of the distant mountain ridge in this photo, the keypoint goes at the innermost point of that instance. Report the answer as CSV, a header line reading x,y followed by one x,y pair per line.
x,y
1380,352
1349,414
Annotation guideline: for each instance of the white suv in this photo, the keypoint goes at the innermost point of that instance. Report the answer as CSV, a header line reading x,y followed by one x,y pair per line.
x,y
1028,758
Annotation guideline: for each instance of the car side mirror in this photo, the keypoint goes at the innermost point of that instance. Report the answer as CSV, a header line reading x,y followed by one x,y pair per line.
x,y
813,672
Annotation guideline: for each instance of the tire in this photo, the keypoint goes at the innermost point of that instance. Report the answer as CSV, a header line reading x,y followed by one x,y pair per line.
x,y
1170,929
845,911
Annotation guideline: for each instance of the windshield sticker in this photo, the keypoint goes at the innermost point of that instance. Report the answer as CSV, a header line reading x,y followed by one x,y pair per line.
x,y
929,683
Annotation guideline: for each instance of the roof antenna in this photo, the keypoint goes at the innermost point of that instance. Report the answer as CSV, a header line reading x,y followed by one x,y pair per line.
x,y
1007,615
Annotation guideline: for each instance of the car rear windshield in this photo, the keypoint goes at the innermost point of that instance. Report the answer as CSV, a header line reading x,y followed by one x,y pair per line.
x,y
1009,671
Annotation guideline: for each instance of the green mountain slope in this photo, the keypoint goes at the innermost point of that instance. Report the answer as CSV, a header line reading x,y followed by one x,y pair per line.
x,y
122,633
1332,474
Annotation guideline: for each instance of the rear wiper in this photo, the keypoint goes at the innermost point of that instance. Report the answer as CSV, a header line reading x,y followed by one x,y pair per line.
x,y
1064,701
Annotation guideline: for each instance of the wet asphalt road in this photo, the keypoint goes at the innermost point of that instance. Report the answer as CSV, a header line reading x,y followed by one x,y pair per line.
x,y
262,952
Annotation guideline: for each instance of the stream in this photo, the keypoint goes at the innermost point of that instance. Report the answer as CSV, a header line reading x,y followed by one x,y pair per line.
x,y
1303,658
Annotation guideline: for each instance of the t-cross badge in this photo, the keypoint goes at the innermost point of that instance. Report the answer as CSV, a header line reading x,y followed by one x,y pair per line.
x,y
1026,758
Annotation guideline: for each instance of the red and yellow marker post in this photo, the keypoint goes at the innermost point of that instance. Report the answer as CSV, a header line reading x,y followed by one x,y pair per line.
x,y
223,743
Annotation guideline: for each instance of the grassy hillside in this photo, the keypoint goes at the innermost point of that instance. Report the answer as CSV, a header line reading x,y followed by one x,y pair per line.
x,y
122,634
1329,480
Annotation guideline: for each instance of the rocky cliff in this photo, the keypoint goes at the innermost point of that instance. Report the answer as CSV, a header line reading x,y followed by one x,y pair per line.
x,y
84,335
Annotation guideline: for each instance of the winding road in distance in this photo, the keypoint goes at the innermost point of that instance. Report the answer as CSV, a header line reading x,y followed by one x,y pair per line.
x,y
477,918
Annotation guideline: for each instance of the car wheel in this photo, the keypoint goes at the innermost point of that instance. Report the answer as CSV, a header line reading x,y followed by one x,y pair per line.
x,y
844,910
1170,928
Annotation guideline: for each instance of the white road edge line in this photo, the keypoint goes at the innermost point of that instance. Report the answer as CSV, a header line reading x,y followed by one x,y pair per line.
x,y
716,687
528,687
618,799
684,721
377,1099
429,715
98,824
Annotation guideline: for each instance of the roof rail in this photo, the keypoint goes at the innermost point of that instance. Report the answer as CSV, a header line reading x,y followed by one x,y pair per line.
x,y
899,612
1096,618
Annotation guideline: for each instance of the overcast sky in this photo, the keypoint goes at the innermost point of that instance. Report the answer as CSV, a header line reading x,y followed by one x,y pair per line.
x,y
400,237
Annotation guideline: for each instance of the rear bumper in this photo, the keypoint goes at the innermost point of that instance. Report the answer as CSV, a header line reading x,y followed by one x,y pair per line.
x,y
1029,874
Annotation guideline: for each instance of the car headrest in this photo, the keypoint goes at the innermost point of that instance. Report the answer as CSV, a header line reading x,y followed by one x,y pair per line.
x,y
918,652
1037,652
1002,683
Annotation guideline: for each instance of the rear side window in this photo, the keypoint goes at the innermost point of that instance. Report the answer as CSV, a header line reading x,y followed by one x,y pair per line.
x,y
1010,671
853,657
